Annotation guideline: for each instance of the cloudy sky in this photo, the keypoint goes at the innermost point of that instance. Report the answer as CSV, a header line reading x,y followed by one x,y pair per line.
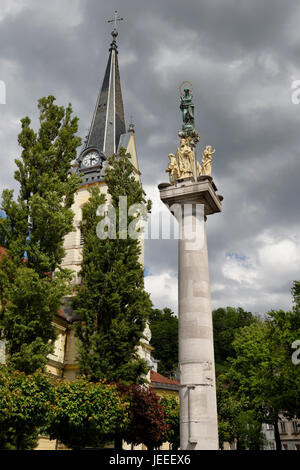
x,y
242,57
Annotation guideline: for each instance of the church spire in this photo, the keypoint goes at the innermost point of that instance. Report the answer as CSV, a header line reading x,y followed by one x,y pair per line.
x,y
108,122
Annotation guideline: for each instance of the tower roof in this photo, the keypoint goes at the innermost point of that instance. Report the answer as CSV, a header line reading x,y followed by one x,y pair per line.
x,y
108,122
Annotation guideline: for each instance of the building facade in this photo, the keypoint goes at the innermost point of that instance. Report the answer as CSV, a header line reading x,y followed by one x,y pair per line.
x,y
289,434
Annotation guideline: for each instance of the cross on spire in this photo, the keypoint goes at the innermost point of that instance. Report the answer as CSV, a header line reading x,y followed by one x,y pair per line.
x,y
115,20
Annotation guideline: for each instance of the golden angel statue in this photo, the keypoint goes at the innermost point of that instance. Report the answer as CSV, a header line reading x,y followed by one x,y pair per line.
x,y
173,169
182,165
207,160
185,159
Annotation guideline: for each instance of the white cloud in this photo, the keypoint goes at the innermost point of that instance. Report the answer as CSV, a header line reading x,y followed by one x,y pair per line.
x,y
279,259
237,268
11,7
163,289
260,278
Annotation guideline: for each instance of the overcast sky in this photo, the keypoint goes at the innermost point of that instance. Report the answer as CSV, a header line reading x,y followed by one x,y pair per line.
x,y
242,57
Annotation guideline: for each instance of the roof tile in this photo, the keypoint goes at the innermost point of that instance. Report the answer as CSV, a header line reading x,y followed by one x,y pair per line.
x,y
158,378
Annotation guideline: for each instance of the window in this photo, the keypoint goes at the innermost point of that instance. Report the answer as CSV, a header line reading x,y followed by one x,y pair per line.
x,y
297,446
285,447
270,427
283,427
295,427
271,445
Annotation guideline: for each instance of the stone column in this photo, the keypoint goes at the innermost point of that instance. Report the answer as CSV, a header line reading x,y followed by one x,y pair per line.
x,y
191,202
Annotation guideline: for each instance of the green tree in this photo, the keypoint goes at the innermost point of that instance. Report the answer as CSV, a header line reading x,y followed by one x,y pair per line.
x,y
236,422
28,304
34,227
40,218
26,402
263,373
249,431
226,322
88,414
228,410
111,301
164,330
232,411
170,406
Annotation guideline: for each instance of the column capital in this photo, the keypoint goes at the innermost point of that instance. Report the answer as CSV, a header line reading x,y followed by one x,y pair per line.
x,y
190,192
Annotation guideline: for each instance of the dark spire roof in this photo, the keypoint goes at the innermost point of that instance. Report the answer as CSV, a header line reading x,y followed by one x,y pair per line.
x,y
108,121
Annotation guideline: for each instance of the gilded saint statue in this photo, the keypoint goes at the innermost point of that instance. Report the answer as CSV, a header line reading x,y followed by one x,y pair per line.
x,y
173,169
182,165
185,159
207,160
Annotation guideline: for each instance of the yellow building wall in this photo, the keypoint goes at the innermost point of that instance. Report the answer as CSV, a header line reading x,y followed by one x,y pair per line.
x,y
45,444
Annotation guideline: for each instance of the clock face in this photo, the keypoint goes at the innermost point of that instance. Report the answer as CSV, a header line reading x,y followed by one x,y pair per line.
x,y
90,159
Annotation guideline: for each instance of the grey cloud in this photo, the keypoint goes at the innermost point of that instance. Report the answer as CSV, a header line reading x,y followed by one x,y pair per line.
x,y
241,56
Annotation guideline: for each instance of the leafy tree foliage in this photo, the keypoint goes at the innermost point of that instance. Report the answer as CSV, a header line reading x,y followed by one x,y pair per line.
x,y
170,406
111,301
40,218
25,406
164,330
87,413
228,410
263,373
232,412
226,322
34,227
28,303
237,422
148,424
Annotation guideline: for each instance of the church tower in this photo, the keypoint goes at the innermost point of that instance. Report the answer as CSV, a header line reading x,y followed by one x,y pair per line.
x,y
108,123
107,134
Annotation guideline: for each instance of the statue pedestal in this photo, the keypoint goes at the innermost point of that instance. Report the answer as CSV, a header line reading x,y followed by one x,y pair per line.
x,y
191,202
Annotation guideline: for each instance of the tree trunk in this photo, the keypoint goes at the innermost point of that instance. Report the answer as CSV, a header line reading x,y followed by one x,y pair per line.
x,y
239,444
277,435
19,442
118,442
